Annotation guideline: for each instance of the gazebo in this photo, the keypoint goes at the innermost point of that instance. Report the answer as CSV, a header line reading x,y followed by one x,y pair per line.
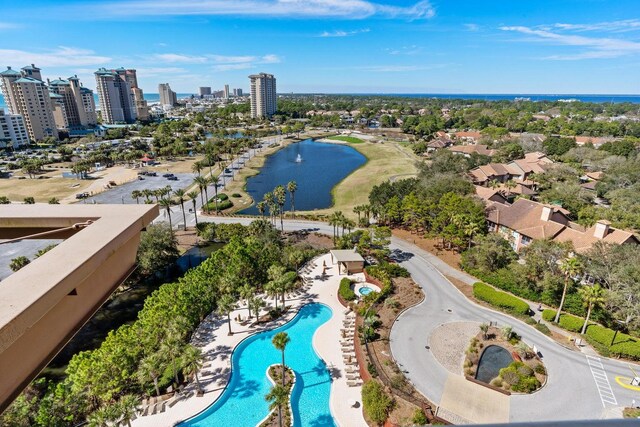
x,y
348,260
147,161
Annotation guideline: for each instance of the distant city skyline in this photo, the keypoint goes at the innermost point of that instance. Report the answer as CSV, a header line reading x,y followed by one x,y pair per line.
x,y
357,46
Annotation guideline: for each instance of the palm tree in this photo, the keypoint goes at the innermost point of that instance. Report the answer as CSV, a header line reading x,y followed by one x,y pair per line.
x,y
592,296
136,194
357,210
570,267
269,201
510,185
470,229
165,203
280,341
127,407
100,417
256,303
192,362
273,290
226,304
280,195
196,168
215,180
261,206
246,293
171,347
334,220
150,369
193,195
202,183
277,397
179,193
292,186
484,328
147,194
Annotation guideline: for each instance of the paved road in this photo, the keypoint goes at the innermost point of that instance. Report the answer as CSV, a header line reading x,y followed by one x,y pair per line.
x,y
576,389
28,248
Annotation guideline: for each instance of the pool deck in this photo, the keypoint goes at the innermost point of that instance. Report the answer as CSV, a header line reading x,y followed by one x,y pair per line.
x,y
217,348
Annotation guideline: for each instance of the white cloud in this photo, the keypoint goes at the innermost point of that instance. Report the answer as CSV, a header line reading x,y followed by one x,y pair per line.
x,y
61,56
405,50
594,47
233,67
472,27
230,63
612,26
159,71
399,68
341,33
174,58
8,26
344,9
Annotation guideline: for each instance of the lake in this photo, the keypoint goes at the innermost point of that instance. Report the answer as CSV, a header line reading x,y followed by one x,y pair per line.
x,y
321,168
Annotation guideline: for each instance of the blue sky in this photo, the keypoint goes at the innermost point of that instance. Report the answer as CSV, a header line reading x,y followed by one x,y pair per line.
x,y
356,46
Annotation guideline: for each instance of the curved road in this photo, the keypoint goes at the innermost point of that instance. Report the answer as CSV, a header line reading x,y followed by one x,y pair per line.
x,y
576,389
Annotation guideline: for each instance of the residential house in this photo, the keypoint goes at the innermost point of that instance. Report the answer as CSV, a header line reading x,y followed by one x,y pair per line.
x,y
468,136
468,150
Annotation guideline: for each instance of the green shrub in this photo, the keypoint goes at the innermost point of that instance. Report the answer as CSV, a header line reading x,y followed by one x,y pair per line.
x,y
375,402
507,280
225,204
237,195
503,300
222,197
540,369
600,337
419,418
527,385
509,375
394,270
345,290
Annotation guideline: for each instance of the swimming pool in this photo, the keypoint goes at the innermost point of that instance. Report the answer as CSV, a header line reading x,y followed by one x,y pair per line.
x,y
242,403
365,290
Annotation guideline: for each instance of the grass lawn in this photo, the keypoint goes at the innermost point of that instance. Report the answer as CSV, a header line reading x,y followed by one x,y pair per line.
x,y
349,139
385,161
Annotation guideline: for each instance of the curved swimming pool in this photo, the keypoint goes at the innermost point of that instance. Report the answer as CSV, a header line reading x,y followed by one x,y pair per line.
x,y
242,403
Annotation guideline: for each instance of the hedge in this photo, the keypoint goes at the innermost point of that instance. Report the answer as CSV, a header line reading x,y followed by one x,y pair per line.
x,y
225,204
375,402
506,280
599,336
486,293
345,291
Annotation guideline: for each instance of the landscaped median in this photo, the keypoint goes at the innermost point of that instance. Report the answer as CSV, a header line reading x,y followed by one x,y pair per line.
x,y
600,337
503,300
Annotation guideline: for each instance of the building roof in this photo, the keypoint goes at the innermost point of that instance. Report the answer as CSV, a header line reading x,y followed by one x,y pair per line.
x,y
347,255
471,134
31,67
59,82
9,72
54,95
583,239
525,217
27,80
596,176
470,149
489,194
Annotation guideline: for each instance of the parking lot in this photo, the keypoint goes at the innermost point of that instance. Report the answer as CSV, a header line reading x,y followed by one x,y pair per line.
x,y
122,193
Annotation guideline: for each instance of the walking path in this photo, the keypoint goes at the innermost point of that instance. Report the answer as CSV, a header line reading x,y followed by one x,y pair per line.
x,y
217,347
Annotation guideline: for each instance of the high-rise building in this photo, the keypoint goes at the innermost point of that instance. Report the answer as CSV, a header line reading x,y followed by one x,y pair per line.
x,y
226,91
13,132
117,103
167,96
204,90
263,95
28,96
59,111
237,92
79,105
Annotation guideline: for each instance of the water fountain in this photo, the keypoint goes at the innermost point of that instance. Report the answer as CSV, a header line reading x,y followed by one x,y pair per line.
x,y
299,158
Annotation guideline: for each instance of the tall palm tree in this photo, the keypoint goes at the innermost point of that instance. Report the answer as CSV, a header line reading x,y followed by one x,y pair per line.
x,y
226,304
193,195
202,183
197,168
269,201
136,194
246,293
277,398
261,207
171,347
292,186
127,407
150,368
510,185
334,220
357,210
147,194
471,229
215,180
592,296
280,341
280,195
256,303
570,267
192,359
165,203
180,195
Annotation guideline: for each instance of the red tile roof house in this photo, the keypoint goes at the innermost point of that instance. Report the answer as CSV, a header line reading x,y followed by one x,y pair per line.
x,y
525,221
467,150
470,136
518,170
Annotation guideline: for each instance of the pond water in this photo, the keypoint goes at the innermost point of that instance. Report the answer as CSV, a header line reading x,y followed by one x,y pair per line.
x,y
493,359
315,166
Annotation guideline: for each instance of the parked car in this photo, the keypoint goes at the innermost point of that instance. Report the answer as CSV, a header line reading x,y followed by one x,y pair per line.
x,y
167,175
172,178
152,174
82,195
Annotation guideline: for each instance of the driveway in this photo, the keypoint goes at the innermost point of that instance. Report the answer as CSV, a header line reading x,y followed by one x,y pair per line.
x,y
578,387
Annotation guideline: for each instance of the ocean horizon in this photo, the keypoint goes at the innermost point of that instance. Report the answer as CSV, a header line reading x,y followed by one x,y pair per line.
x,y
594,98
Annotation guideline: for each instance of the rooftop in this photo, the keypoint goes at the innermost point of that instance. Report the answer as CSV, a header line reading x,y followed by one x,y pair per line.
x,y
346,255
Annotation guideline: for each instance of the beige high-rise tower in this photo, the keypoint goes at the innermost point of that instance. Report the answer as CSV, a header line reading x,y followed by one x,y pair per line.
x,y
167,96
78,101
263,95
117,103
27,95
